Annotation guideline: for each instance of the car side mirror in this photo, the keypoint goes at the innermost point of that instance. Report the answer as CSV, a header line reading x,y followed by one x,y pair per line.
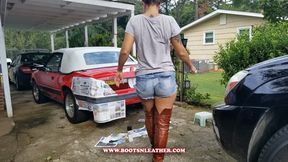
x,y
47,69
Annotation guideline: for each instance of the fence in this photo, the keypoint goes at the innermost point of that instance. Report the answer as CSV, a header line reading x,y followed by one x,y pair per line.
x,y
202,66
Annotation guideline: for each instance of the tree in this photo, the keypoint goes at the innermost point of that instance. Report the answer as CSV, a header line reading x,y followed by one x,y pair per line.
x,y
60,40
100,34
166,7
137,3
238,5
183,11
17,40
247,5
275,10
204,8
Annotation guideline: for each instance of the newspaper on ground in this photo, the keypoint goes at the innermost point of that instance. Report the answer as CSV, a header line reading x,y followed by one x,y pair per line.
x,y
111,140
140,132
141,120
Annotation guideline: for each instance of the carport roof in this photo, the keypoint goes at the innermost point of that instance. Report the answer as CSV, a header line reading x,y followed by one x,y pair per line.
x,y
55,15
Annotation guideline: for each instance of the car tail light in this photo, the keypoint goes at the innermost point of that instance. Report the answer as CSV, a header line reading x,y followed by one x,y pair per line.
x,y
26,70
234,80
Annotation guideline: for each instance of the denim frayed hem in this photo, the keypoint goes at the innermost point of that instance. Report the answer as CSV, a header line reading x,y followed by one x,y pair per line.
x,y
147,98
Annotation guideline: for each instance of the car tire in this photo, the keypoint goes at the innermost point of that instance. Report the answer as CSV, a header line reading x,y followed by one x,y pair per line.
x,y
18,86
37,94
276,149
73,114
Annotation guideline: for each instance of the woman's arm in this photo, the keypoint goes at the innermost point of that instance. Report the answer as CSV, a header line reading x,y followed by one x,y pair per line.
x,y
124,54
182,53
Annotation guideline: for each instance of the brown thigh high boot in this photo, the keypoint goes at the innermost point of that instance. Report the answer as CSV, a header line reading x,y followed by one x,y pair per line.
x,y
149,124
162,122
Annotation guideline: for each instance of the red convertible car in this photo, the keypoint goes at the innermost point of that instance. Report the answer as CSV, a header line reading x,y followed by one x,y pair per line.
x,y
83,80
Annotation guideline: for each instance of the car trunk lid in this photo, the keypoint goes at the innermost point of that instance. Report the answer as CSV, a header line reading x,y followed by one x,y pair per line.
x,y
108,74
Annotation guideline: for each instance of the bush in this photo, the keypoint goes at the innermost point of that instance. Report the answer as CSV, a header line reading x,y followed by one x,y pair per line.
x,y
194,97
268,41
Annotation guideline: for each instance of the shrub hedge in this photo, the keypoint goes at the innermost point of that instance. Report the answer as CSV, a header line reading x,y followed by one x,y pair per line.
x,y
268,41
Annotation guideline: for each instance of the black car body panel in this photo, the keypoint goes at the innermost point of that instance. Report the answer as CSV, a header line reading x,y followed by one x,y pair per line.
x,y
255,109
236,125
24,79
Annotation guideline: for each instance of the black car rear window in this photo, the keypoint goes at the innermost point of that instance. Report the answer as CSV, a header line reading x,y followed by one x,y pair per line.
x,y
40,58
107,57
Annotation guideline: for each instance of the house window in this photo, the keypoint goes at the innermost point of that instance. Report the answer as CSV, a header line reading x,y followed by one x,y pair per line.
x,y
208,37
247,30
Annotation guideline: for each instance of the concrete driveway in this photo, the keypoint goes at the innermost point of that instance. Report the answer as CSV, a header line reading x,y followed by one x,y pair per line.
x,y
42,133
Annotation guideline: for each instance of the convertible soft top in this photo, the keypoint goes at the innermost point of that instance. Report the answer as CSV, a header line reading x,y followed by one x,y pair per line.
x,y
73,58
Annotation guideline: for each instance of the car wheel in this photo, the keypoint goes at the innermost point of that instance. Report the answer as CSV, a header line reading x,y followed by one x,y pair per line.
x,y
276,149
17,84
37,94
73,114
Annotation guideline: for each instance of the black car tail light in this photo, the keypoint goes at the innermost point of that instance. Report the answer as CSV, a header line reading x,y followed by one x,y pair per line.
x,y
234,80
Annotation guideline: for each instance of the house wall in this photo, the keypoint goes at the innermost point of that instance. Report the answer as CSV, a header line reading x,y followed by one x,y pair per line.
x,y
223,33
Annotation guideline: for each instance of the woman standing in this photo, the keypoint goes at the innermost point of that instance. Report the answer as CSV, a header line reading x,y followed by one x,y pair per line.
x,y
155,76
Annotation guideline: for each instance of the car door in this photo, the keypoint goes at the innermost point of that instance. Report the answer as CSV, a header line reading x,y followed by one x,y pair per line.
x,y
51,76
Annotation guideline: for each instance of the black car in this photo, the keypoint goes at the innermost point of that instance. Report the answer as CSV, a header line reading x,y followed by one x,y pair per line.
x,y
252,125
22,65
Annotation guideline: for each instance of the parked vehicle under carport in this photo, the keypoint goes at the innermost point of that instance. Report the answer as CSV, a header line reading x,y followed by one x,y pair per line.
x,y
252,125
21,68
83,80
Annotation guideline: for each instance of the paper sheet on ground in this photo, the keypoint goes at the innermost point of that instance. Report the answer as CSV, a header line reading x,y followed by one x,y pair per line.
x,y
111,140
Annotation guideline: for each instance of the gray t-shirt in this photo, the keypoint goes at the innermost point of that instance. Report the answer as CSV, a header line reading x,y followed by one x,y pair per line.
x,y
152,37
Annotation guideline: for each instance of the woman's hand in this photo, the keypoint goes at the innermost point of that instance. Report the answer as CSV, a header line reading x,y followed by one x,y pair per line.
x,y
124,54
118,78
182,53
192,69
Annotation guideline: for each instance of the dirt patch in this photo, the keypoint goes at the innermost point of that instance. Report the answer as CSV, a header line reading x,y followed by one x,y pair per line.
x,y
31,122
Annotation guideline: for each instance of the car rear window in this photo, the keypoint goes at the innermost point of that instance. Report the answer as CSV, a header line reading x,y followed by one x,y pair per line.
x,y
102,58
40,58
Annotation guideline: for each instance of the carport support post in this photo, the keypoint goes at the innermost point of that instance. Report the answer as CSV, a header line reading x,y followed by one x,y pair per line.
x,y
52,42
115,31
67,38
5,73
134,47
86,36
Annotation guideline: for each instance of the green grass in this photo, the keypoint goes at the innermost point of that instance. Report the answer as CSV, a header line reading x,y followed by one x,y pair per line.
x,y
209,83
